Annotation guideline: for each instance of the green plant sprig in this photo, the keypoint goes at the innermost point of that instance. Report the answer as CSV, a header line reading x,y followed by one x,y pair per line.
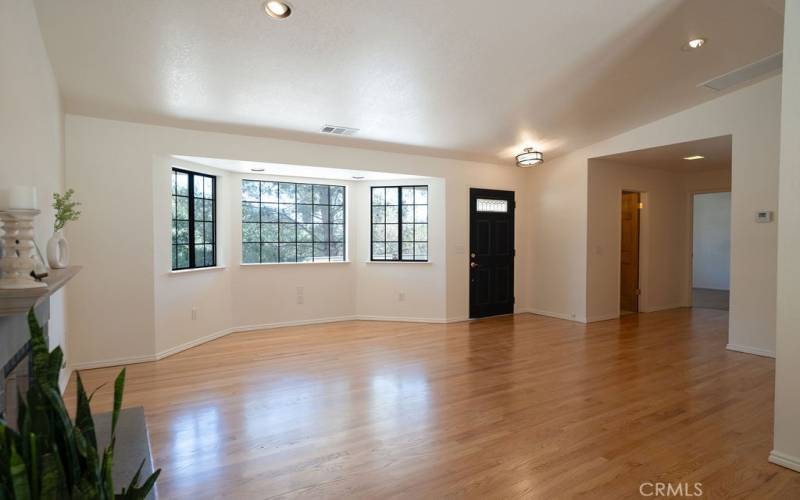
x,y
65,209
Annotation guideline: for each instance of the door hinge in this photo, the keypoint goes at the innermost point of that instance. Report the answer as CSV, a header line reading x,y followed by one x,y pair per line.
x,y
514,252
638,291
513,300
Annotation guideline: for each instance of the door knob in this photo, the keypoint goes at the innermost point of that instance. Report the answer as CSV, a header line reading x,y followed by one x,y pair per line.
x,y
473,265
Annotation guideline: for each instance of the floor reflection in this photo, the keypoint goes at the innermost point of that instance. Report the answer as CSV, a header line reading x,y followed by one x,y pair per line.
x,y
194,434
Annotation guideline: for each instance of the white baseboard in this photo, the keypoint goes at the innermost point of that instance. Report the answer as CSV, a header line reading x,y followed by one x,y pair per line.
x,y
252,328
402,319
663,307
784,460
239,329
283,324
551,314
603,317
105,363
751,350
192,343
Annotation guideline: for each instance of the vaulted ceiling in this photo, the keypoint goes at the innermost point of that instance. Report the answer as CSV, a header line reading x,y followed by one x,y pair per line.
x,y
466,79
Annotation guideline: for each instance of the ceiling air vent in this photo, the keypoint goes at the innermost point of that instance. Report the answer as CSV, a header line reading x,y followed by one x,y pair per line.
x,y
337,130
745,73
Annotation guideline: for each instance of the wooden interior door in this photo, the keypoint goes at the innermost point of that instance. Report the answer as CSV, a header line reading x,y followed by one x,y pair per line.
x,y
629,254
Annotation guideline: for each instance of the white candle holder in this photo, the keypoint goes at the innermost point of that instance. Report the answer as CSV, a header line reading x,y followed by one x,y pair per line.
x,y
19,250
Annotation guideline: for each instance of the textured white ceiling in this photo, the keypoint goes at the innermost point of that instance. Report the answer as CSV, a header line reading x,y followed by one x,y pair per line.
x,y
467,79
716,152
246,167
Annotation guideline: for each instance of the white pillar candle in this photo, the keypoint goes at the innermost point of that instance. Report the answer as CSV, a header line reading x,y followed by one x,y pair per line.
x,y
22,198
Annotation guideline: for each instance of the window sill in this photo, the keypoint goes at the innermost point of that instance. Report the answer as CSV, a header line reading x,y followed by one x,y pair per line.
x,y
324,262
397,262
196,270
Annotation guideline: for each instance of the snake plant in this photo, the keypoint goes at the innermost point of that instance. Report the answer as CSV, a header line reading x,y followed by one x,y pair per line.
x,y
50,456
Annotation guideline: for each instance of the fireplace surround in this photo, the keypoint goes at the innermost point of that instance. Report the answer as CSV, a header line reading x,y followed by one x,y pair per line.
x,y
15,347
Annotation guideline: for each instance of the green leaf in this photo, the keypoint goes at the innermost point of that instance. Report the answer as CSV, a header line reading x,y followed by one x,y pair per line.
x,y
54,366
119,386
19,476
51,478
135,492
65,437
83,415
39,416
33,465
40,358
108,461
22,412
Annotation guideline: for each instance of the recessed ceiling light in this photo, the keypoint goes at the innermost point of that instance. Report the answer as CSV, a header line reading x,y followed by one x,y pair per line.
x,y
695,157
694,43
358,177
256,169
277,9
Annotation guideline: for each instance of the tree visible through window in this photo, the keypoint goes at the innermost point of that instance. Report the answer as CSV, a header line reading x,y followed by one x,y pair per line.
x,y
400,223
193,215
291,222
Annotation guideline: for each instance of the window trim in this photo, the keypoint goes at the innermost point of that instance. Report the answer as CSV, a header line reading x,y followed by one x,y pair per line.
x,y
344,224
399,258
192,264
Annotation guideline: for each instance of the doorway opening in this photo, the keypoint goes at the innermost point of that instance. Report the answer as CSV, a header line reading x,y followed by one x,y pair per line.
x,y
629,290
711,250
491,263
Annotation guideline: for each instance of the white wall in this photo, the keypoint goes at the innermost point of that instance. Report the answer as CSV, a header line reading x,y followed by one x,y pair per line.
x,y
423,284
559,192
664,275
127,298
31,127
258,296
711,241
787,369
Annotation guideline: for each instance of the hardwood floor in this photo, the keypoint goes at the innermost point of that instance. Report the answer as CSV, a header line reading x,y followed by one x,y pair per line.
x,y
711,299
512,407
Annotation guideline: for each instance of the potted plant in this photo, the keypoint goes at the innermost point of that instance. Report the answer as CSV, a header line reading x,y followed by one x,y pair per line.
x,y
66,210
50,456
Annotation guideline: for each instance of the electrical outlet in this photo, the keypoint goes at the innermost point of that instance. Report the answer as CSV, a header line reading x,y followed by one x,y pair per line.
x,y
401,296
194,313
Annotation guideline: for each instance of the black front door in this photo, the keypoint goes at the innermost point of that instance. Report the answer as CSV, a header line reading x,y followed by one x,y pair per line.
x,y
491,241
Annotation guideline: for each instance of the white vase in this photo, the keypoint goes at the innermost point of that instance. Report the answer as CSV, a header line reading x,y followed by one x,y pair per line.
x,y
58,251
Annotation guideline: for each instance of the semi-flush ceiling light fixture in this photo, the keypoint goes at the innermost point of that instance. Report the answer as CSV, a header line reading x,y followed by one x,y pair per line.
x,y
529,158
695,43
695,157
277,9
256,169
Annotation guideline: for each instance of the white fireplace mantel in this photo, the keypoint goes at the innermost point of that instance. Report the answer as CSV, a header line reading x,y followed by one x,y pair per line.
x,y
19,301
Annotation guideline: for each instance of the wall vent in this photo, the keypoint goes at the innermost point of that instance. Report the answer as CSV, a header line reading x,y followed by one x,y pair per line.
x,y
337,130
745,73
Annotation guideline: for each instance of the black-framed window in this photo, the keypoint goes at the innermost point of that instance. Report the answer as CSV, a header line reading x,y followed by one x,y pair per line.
x,y
194,232
292,222
399,223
